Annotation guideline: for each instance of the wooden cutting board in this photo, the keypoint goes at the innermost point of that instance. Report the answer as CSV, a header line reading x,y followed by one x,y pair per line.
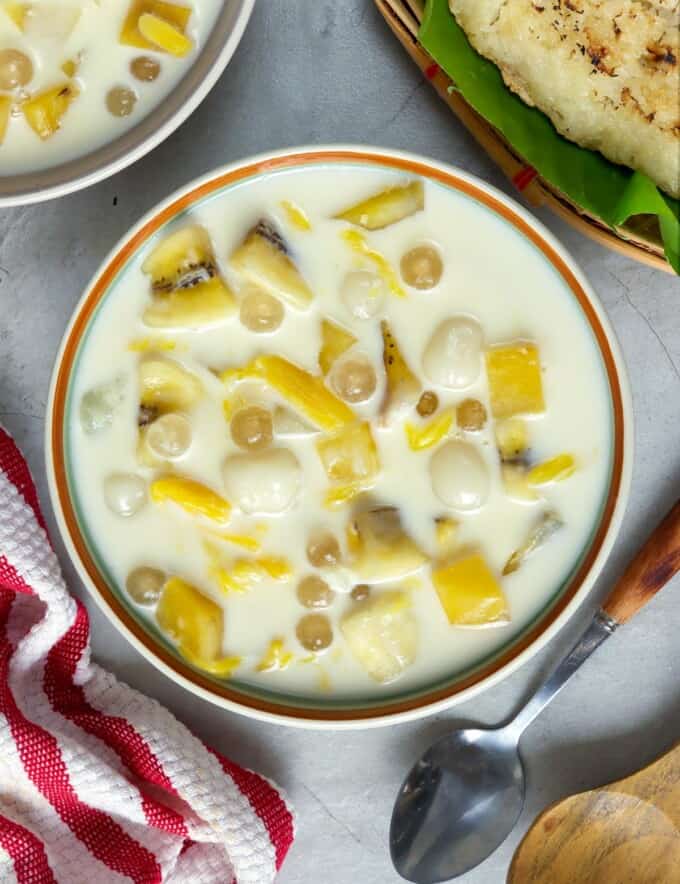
x,y
624,833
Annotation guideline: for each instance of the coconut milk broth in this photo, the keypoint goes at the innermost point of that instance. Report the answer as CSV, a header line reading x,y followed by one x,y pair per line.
x,y
491,273
103,63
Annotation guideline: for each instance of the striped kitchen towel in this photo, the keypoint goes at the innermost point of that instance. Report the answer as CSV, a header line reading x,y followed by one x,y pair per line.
x,y
98,783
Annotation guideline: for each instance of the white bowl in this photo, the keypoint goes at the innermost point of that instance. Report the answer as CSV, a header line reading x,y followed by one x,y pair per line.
x,y
33,187
330,713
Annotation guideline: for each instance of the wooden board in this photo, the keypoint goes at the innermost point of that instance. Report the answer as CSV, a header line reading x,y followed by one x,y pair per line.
x,y
638,240
627,832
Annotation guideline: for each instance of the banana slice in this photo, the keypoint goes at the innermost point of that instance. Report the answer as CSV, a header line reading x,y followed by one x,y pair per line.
x,y
165,385
188,290
379,547
382,634
196,623
264,258
335,341
403,387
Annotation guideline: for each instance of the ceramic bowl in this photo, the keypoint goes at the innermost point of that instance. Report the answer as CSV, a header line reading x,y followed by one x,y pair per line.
x,y
76,174
328,712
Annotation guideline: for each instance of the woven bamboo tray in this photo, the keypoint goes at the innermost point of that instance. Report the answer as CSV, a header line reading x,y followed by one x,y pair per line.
x,y
638,239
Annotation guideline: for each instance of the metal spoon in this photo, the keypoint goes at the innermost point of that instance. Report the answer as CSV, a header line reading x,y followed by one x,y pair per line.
x,y
463,797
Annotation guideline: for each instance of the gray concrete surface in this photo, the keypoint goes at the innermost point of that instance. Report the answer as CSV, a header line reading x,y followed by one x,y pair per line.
x,y
321,71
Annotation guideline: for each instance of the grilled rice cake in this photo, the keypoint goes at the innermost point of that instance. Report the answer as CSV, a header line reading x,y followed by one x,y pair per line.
x,y
606,72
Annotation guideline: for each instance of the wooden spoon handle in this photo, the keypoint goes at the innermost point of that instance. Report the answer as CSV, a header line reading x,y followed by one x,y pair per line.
x,y
650,570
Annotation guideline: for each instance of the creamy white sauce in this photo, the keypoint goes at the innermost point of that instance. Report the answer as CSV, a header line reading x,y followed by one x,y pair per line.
x,y
490,273
103,63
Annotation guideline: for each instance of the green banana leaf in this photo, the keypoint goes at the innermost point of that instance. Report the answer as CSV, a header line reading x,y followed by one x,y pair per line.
x,y
611,192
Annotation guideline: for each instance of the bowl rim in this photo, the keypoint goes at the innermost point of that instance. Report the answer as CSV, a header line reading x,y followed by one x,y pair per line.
x,y
151,130
528,643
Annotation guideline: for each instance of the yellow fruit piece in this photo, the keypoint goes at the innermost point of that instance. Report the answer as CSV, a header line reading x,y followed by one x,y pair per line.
x,y
163,35
243,574
16,11
172,13
296,216
192,496
201,305
276,658
350,457
264,258
446,534
357,242
188,290
423,436
515,482
547,526
225,667
515,385
469,592
196,623
44,111
554,470
166,385
380,549
334,342
177,254
386,207
5,110
403,387
382,634
245,541
144,345
54,21
512,438
305,392
70,67
339,495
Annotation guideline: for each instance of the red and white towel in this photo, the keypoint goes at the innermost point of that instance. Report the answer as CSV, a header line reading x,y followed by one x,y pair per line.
x,y
98,783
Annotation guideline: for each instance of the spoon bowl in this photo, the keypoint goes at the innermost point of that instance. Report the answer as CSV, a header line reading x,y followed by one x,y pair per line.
x,y
471,781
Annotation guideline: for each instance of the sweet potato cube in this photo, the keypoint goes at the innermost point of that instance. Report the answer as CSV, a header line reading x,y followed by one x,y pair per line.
x,y
515,385
469,592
